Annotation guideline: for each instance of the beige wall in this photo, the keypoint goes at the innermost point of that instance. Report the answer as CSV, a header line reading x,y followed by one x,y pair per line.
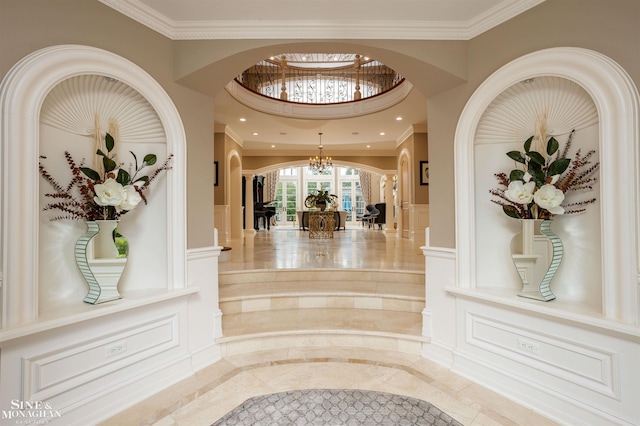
x,y
437,68
607,26
29,25
416,145
219,148
251,162
421,152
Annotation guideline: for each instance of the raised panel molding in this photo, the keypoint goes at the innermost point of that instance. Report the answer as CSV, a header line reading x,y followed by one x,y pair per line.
x,y
60,374
573,361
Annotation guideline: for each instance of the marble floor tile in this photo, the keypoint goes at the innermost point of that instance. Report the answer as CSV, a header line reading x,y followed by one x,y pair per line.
x,y
268,372
286,248
214,391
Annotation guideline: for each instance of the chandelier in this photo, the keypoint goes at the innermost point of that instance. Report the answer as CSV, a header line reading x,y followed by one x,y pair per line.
x,y
320,163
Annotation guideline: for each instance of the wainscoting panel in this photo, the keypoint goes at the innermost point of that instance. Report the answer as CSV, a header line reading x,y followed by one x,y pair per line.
x,y
573,361
573,370
54,373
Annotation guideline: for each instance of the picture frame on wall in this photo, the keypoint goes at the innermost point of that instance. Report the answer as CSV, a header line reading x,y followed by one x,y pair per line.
x,y
424,173
215,173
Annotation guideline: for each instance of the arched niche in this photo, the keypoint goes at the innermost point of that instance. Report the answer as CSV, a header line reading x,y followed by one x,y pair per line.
x,y
616,101
22,95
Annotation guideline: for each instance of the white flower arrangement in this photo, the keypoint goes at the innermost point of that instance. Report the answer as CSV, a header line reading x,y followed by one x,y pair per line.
x,y
107,196
536,188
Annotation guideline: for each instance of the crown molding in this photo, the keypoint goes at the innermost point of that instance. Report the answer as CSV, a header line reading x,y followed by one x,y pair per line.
x,y
321,29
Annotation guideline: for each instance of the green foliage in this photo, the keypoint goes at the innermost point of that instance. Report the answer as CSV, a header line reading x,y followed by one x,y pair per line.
x,y
77,200
320,196
548,166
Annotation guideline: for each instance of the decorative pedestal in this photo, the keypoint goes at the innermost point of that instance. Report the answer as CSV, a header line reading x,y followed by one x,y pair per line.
x,y
321,224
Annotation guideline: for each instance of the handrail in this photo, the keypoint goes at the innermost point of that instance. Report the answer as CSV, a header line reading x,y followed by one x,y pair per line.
x,y
319,85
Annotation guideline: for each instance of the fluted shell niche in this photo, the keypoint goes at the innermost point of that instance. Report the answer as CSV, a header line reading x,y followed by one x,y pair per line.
x,y
508,121
70,113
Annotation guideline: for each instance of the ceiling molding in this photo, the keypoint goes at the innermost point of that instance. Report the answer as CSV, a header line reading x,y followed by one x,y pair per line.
x,y
334,111
237,139
292,28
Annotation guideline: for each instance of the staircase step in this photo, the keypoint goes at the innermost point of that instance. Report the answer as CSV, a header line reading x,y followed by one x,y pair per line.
x,y
368,328
320,300
321,275
260,291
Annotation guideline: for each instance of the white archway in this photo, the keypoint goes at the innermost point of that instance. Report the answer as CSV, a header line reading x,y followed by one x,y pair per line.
x,y
617,101
22,93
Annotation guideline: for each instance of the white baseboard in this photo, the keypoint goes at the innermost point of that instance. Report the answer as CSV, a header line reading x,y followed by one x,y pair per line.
x,y
438,352
126,394
206,356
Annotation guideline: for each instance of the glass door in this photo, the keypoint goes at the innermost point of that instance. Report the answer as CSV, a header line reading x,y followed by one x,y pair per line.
x,y
286,202
351,200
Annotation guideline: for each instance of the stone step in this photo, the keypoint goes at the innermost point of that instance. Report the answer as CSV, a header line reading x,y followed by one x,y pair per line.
x,y
319,327
321,275
261,291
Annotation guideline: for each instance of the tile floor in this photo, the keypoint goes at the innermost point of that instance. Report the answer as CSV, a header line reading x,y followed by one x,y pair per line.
x,y
214,391
355,248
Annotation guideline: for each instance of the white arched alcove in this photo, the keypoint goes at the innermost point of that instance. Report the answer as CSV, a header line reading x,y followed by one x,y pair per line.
x,y
22,94
617,104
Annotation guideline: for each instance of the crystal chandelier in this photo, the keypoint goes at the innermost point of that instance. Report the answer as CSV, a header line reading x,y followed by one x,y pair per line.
x,y
320,163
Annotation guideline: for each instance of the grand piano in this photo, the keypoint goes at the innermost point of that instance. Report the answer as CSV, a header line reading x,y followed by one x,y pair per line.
x,y
264,212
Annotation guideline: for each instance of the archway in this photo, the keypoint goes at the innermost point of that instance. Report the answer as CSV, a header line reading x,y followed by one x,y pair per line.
x,y
617,101
22,94
345,179
234,194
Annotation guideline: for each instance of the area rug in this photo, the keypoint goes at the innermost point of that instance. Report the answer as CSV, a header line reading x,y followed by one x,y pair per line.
x,y
323,407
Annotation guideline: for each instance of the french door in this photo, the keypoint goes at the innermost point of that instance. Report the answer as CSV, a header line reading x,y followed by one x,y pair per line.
x,y
286,202
351,200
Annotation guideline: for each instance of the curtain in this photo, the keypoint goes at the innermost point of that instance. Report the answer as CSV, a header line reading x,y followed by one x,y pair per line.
x,y
272,185
365,186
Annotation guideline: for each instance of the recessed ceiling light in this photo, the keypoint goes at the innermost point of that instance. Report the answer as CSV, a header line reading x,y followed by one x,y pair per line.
x,y
273,146
368,146
243,119
529,80
398,118
255,133
382,133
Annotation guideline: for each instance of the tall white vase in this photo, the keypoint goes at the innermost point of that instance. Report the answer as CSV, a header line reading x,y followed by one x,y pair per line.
x,y
97,258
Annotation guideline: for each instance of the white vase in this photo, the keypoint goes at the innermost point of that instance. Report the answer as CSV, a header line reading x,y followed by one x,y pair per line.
x,y
537,254
97,258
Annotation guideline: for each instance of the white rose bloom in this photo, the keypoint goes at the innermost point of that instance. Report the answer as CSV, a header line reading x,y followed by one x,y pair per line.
x,y
521,193
109,193
549,197
131,198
